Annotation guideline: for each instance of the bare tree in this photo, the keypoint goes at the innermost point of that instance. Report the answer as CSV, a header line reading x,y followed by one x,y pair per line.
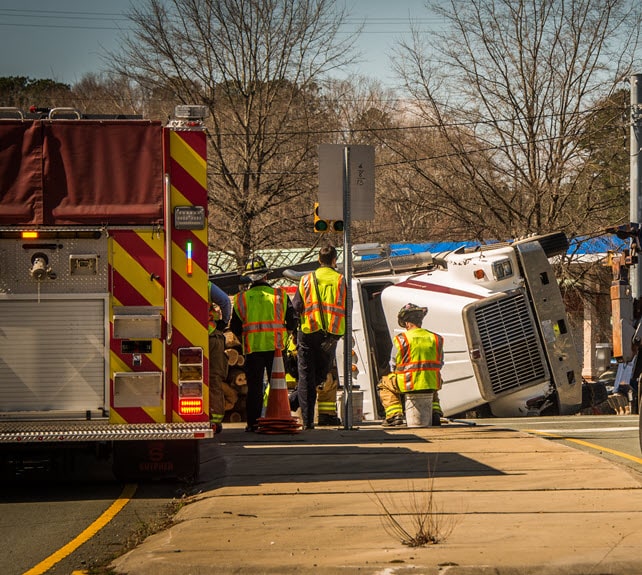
x,y
257,66
361,111
505,87
107,94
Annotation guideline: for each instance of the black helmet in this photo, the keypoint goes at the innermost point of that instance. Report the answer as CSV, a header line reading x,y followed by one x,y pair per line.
x,y
256,268
411,313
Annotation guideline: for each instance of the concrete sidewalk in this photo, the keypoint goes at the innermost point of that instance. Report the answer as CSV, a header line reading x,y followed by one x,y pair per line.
x,y
319,502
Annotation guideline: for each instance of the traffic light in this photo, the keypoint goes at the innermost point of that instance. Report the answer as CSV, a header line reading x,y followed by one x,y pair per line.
x,y
321,225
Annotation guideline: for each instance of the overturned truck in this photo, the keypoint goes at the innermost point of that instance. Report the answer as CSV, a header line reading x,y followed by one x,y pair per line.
x,y
508,348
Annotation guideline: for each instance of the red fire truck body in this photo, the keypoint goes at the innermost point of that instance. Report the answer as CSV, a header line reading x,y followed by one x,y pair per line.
x,y
103,288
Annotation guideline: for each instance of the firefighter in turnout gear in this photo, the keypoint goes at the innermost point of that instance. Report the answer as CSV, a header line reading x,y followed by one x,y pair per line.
x,y
261,318
415,364
219,317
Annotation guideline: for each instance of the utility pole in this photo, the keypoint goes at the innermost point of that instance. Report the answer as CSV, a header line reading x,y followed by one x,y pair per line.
x,y
635,169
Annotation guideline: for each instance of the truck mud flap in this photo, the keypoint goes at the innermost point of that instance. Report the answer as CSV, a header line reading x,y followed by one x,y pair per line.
x,y
156,460
553,325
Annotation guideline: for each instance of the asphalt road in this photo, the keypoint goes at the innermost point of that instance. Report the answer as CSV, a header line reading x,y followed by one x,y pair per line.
x,y
67,520
85,511
614,437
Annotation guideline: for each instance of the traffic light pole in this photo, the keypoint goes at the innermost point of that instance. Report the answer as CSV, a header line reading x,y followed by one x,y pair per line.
x,y
347,273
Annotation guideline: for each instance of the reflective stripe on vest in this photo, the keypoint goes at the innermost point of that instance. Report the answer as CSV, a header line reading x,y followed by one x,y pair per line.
x,y
419,360
262,311
334,311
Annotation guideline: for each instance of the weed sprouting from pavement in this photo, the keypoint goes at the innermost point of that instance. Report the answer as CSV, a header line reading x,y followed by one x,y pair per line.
x,y
417,520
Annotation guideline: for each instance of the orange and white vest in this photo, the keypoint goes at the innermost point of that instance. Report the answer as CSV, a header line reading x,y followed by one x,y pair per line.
x,y
332,289
419,360
262,311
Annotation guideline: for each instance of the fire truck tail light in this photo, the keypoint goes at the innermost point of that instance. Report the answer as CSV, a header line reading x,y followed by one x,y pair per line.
x,y
190,406
190,381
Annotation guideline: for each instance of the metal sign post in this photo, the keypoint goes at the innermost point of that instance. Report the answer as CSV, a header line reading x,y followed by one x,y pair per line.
x,y
347,273
346,191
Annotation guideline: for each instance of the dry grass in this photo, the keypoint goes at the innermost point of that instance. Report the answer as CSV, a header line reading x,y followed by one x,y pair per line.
x,y
413,517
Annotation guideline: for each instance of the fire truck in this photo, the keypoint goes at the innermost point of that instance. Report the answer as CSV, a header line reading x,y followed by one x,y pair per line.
x,y
103,289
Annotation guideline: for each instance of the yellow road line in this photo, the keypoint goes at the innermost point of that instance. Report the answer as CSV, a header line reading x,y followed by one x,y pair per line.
x,y
587,444
106,517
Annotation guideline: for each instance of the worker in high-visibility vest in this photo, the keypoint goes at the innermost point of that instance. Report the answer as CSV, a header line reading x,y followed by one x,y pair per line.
x,y
416,360
320,302
219,316
262,316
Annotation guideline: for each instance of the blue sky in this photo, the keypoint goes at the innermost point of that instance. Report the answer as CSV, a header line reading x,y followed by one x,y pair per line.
x,y
62,39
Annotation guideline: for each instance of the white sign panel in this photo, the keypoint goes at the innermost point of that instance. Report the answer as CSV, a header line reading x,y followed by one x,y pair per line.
x,y
331,181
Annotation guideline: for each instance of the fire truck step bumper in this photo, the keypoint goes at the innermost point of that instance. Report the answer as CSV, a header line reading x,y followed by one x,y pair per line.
x,y
68,432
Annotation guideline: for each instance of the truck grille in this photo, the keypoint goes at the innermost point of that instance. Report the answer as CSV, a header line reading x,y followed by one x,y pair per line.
x,y
509,342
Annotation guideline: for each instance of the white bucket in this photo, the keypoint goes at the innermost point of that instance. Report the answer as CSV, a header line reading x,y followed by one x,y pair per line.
x,y
357,405
418,409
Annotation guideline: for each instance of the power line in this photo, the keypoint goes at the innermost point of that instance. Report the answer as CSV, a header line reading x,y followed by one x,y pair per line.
x,y
119,16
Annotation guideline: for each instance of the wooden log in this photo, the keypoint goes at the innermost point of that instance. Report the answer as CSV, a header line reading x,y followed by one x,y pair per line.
x,y
231,396
240,361
231,341
236,417
237,377
232,356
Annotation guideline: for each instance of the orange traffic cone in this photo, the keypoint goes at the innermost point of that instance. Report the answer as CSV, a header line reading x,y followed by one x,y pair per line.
x,y
278,418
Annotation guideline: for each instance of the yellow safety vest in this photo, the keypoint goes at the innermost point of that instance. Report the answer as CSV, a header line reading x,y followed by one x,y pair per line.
x,y
262,311
419,360
332,289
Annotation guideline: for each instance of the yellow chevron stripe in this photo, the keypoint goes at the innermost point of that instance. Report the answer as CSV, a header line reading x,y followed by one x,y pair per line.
x,y
116,363
178,199
156,413
136,275
155,240
115,417
156,357
188,158
153,292
199,276
188,325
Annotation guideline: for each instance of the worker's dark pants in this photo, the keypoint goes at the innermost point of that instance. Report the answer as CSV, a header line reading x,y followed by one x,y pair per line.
x,y
255,365
314,366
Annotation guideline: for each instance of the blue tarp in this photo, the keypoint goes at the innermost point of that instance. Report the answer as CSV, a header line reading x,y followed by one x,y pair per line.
x,y
577,246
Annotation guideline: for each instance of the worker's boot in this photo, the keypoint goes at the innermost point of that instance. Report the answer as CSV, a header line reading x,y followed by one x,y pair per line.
x,y
394,421
436,419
